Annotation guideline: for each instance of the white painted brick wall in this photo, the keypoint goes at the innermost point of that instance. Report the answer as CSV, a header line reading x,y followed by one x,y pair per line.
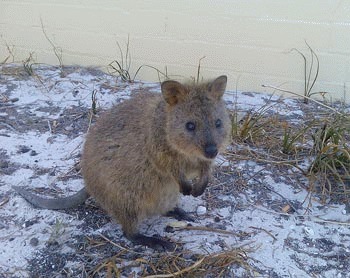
x,y
247,40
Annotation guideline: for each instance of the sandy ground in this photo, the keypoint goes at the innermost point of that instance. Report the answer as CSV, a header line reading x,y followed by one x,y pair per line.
x,y
43,120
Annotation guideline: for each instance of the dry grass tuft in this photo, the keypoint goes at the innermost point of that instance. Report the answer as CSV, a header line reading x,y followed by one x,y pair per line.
x,y
194,265
255,125
181,263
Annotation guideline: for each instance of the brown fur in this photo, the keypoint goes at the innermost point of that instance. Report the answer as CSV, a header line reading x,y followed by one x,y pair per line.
x,y
139,155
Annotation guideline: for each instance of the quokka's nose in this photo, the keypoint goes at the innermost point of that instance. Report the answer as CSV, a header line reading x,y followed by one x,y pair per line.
x,y
210,151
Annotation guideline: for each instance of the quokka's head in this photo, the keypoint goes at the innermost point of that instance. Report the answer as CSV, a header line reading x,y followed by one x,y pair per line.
x,y
198,124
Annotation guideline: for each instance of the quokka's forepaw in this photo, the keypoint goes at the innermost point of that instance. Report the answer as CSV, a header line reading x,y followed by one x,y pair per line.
x,y
180,214
186,192
197,191
185,188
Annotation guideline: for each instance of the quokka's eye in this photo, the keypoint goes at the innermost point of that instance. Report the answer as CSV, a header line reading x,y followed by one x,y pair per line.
x,y
218,123
190,126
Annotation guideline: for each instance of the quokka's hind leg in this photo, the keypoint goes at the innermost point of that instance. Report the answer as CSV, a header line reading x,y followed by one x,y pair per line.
x,y
131,232
153,242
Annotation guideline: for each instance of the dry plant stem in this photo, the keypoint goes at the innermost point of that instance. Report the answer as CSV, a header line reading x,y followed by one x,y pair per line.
x,y
277,162
159,73
56,50
307,76
199,68
4,201
95,243
5,60
9,126
11,54
284,198
267,232
308,199
320,220
309,98
207,229
303,217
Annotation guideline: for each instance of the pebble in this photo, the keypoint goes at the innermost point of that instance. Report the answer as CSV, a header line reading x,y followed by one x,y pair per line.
x,y
309,231
217,219
34,242
178,224
4,164
201,210
68,128
23,149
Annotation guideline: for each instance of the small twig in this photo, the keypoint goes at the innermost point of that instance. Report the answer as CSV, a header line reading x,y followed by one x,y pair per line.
x,y
199,68
266,231
9,126
296,94
57,50
165,75
320,220
284,198
312,218
49,124
4,98
4,201
277,162
11,54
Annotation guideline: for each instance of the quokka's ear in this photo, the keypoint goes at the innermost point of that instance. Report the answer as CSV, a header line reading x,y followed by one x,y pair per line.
x,y
218,86
173,92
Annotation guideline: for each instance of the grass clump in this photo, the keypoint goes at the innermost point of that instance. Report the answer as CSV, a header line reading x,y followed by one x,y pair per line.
x,y
291,138
121,67
331,150
328,153
310,74
253,126
28,64
57,230
318,145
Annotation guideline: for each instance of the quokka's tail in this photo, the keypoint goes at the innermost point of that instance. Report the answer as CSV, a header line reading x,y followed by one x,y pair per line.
x,y
56,203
